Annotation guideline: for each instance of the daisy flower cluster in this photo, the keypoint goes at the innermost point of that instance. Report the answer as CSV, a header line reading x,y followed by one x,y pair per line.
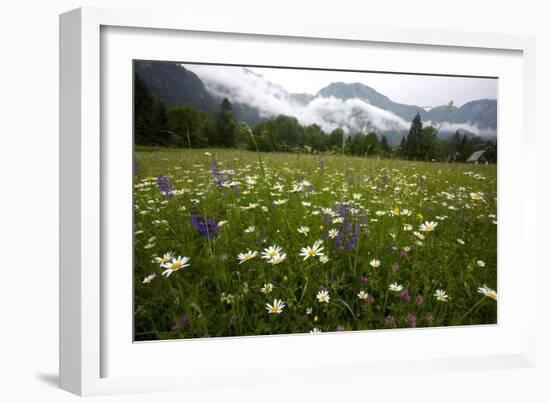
x,y
230,244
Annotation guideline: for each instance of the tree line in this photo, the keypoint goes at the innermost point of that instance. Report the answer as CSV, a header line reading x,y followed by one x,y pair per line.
x,y
186,126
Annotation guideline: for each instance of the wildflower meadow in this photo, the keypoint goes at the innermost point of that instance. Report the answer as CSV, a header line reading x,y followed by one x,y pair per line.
x,y
231,242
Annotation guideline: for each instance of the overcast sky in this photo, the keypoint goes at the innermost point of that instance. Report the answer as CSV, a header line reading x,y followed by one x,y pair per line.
x,y
409,89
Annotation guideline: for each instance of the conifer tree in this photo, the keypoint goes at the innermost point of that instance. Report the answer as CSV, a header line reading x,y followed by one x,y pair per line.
x,y
223,131
413,139
386,149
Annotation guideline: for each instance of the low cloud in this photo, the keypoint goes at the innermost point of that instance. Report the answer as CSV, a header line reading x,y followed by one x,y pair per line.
x,y
468,126
243,86
350,114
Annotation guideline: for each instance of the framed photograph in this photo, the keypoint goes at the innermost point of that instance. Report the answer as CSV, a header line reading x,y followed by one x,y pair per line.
x,y
342,197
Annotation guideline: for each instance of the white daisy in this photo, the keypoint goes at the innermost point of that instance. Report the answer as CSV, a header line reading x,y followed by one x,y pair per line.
x,y
277,306
243,257
165,258
149,278
315,330
323,296
267,288
175,265
277,259
488,292
278,187
227,298
250,206
375,263
476,196
363,295
332,233
428,226
441,295
303,230
480,263
270,252
323,259
312,251
250,229
328,211
395,287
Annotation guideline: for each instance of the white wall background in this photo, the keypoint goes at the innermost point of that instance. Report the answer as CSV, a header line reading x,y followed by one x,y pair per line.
x,y
29,201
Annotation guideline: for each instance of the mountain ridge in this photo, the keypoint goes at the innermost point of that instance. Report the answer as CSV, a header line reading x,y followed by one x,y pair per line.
x,y
175,85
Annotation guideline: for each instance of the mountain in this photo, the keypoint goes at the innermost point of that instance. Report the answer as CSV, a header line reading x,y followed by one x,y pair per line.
x,y
481,113
175,85
440,113
302,98
364,92
353,106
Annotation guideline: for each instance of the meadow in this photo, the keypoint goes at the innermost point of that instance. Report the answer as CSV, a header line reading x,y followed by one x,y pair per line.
x,y
235,243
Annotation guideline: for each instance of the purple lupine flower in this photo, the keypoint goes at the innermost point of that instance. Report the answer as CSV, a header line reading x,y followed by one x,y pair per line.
x,y
218,178
410,320
326,219
363,279
403,254
165,185
389,322
206,226
350,228
180,323
322,288
405,296
419,300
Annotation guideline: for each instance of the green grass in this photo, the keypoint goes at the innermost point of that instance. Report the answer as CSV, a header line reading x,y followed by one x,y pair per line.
x,y
217,296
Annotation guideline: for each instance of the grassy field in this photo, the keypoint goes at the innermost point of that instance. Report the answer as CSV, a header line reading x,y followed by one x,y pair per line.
x,y
295,243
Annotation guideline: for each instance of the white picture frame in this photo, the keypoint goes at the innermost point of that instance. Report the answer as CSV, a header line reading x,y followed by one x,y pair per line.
x,y
87,342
